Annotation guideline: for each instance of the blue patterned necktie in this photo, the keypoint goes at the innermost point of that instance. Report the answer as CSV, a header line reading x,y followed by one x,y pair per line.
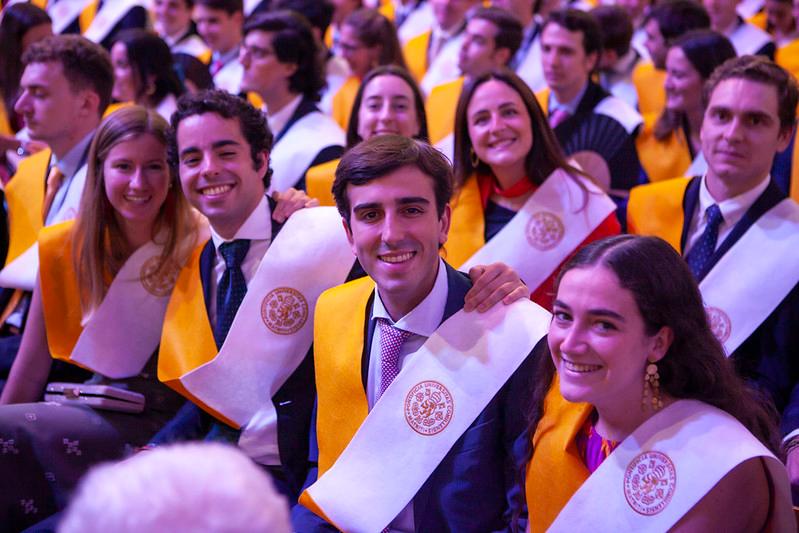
x,y
698,257
232,287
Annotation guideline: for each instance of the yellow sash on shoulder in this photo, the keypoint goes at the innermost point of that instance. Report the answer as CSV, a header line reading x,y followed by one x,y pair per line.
x,y
87,15
5,123
25,197
187,340
415,53
543,100
556,470
788,57
467,227
319,182
662,160
205,57
59,290
648,82
794,187
343,101
440,108
656,209
387,10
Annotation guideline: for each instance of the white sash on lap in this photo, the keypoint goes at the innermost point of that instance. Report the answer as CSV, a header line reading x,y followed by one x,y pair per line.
x,y
22,272
431,403
664,468
64,12
124,331
273,328
105,19
295,151
754,276
549,227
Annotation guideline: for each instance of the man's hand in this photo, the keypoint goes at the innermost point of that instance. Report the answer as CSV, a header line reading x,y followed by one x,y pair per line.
x,y
289,201
493,283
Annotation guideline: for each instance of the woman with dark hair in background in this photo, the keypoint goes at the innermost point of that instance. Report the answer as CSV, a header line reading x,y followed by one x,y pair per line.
x,y
639,421
518,200
144,72
668,145
388,101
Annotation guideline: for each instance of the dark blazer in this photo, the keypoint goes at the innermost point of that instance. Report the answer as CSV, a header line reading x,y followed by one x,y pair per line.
x,y
294,403
768,358
476,485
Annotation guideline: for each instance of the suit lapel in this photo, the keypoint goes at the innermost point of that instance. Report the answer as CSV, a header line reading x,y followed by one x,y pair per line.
x,y
306,106
689,203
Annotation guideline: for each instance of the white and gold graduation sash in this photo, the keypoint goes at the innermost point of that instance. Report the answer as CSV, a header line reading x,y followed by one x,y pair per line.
x,y
295,151
431,403
740,291
64,12
273,328
659,472
553,222
107,17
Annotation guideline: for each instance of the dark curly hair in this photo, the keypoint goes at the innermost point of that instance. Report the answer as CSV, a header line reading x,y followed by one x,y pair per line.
x,y
252,122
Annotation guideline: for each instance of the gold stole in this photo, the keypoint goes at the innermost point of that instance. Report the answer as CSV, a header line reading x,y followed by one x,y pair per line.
x,y
648,82
25,197
656,209
467,227
59,290
5,123
440,107
187,340
319,182
343,101
788,57
556,470
415,53
87,15
205,57
387,10
666,159
794,186
543,100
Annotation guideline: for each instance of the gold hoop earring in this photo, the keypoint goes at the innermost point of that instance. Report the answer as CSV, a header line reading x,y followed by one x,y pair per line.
x,y
473,157
652,387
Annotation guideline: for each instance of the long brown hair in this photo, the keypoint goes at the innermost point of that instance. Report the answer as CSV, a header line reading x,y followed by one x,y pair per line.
x,y
374,29
100,247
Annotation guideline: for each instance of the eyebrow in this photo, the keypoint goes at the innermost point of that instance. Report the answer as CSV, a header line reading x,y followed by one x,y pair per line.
x,y
751,113
216,145
593,312
405,200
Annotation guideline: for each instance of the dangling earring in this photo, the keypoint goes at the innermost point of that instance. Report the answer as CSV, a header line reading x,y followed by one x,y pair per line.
x,y
473,157
652,387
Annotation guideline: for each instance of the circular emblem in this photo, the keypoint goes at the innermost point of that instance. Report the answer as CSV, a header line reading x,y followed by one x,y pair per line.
x,y
720,323
428,407
544,230
649,482
158,284
284,310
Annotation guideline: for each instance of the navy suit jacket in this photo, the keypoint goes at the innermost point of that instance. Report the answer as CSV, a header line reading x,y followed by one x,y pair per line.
x,y
768,358
294,403
476,486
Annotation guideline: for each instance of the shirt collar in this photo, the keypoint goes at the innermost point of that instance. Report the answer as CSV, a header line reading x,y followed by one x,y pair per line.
x,y
226,57
440,33
571,106
425,318
279,120
732,209
172,40
258,226
73,160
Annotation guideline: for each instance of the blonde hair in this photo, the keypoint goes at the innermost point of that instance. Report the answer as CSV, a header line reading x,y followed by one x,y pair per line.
x,y
99,246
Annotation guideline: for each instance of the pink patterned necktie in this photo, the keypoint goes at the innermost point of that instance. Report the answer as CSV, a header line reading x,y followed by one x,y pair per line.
x,y
557,117
391,340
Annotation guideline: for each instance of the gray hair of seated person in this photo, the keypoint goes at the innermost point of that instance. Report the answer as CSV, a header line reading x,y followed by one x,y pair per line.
x,y
184,487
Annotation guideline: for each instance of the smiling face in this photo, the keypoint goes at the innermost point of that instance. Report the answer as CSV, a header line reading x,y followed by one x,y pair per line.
x,y
395,231
125,83
217,172
387,106
740,135
500,128
136,178
683,83
598,341
566,65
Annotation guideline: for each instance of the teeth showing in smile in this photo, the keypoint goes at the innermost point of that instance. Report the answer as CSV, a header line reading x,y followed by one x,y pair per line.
x,y
134,198
576,367
214,190
396,258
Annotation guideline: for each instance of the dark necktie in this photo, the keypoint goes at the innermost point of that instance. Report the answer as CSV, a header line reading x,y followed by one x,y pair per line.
x,y
391,341
698,257
232,287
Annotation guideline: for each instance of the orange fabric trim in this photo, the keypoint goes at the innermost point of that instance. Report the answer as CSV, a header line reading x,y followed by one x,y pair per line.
x,y
415,52
187,340
25,197
662,160
319,182
467,227
5,123
543,100
387,10
788,57
116,106
656,209
440,106
86,16
649,83
205,57
59,289
759,19
555,458
794,187
343,101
